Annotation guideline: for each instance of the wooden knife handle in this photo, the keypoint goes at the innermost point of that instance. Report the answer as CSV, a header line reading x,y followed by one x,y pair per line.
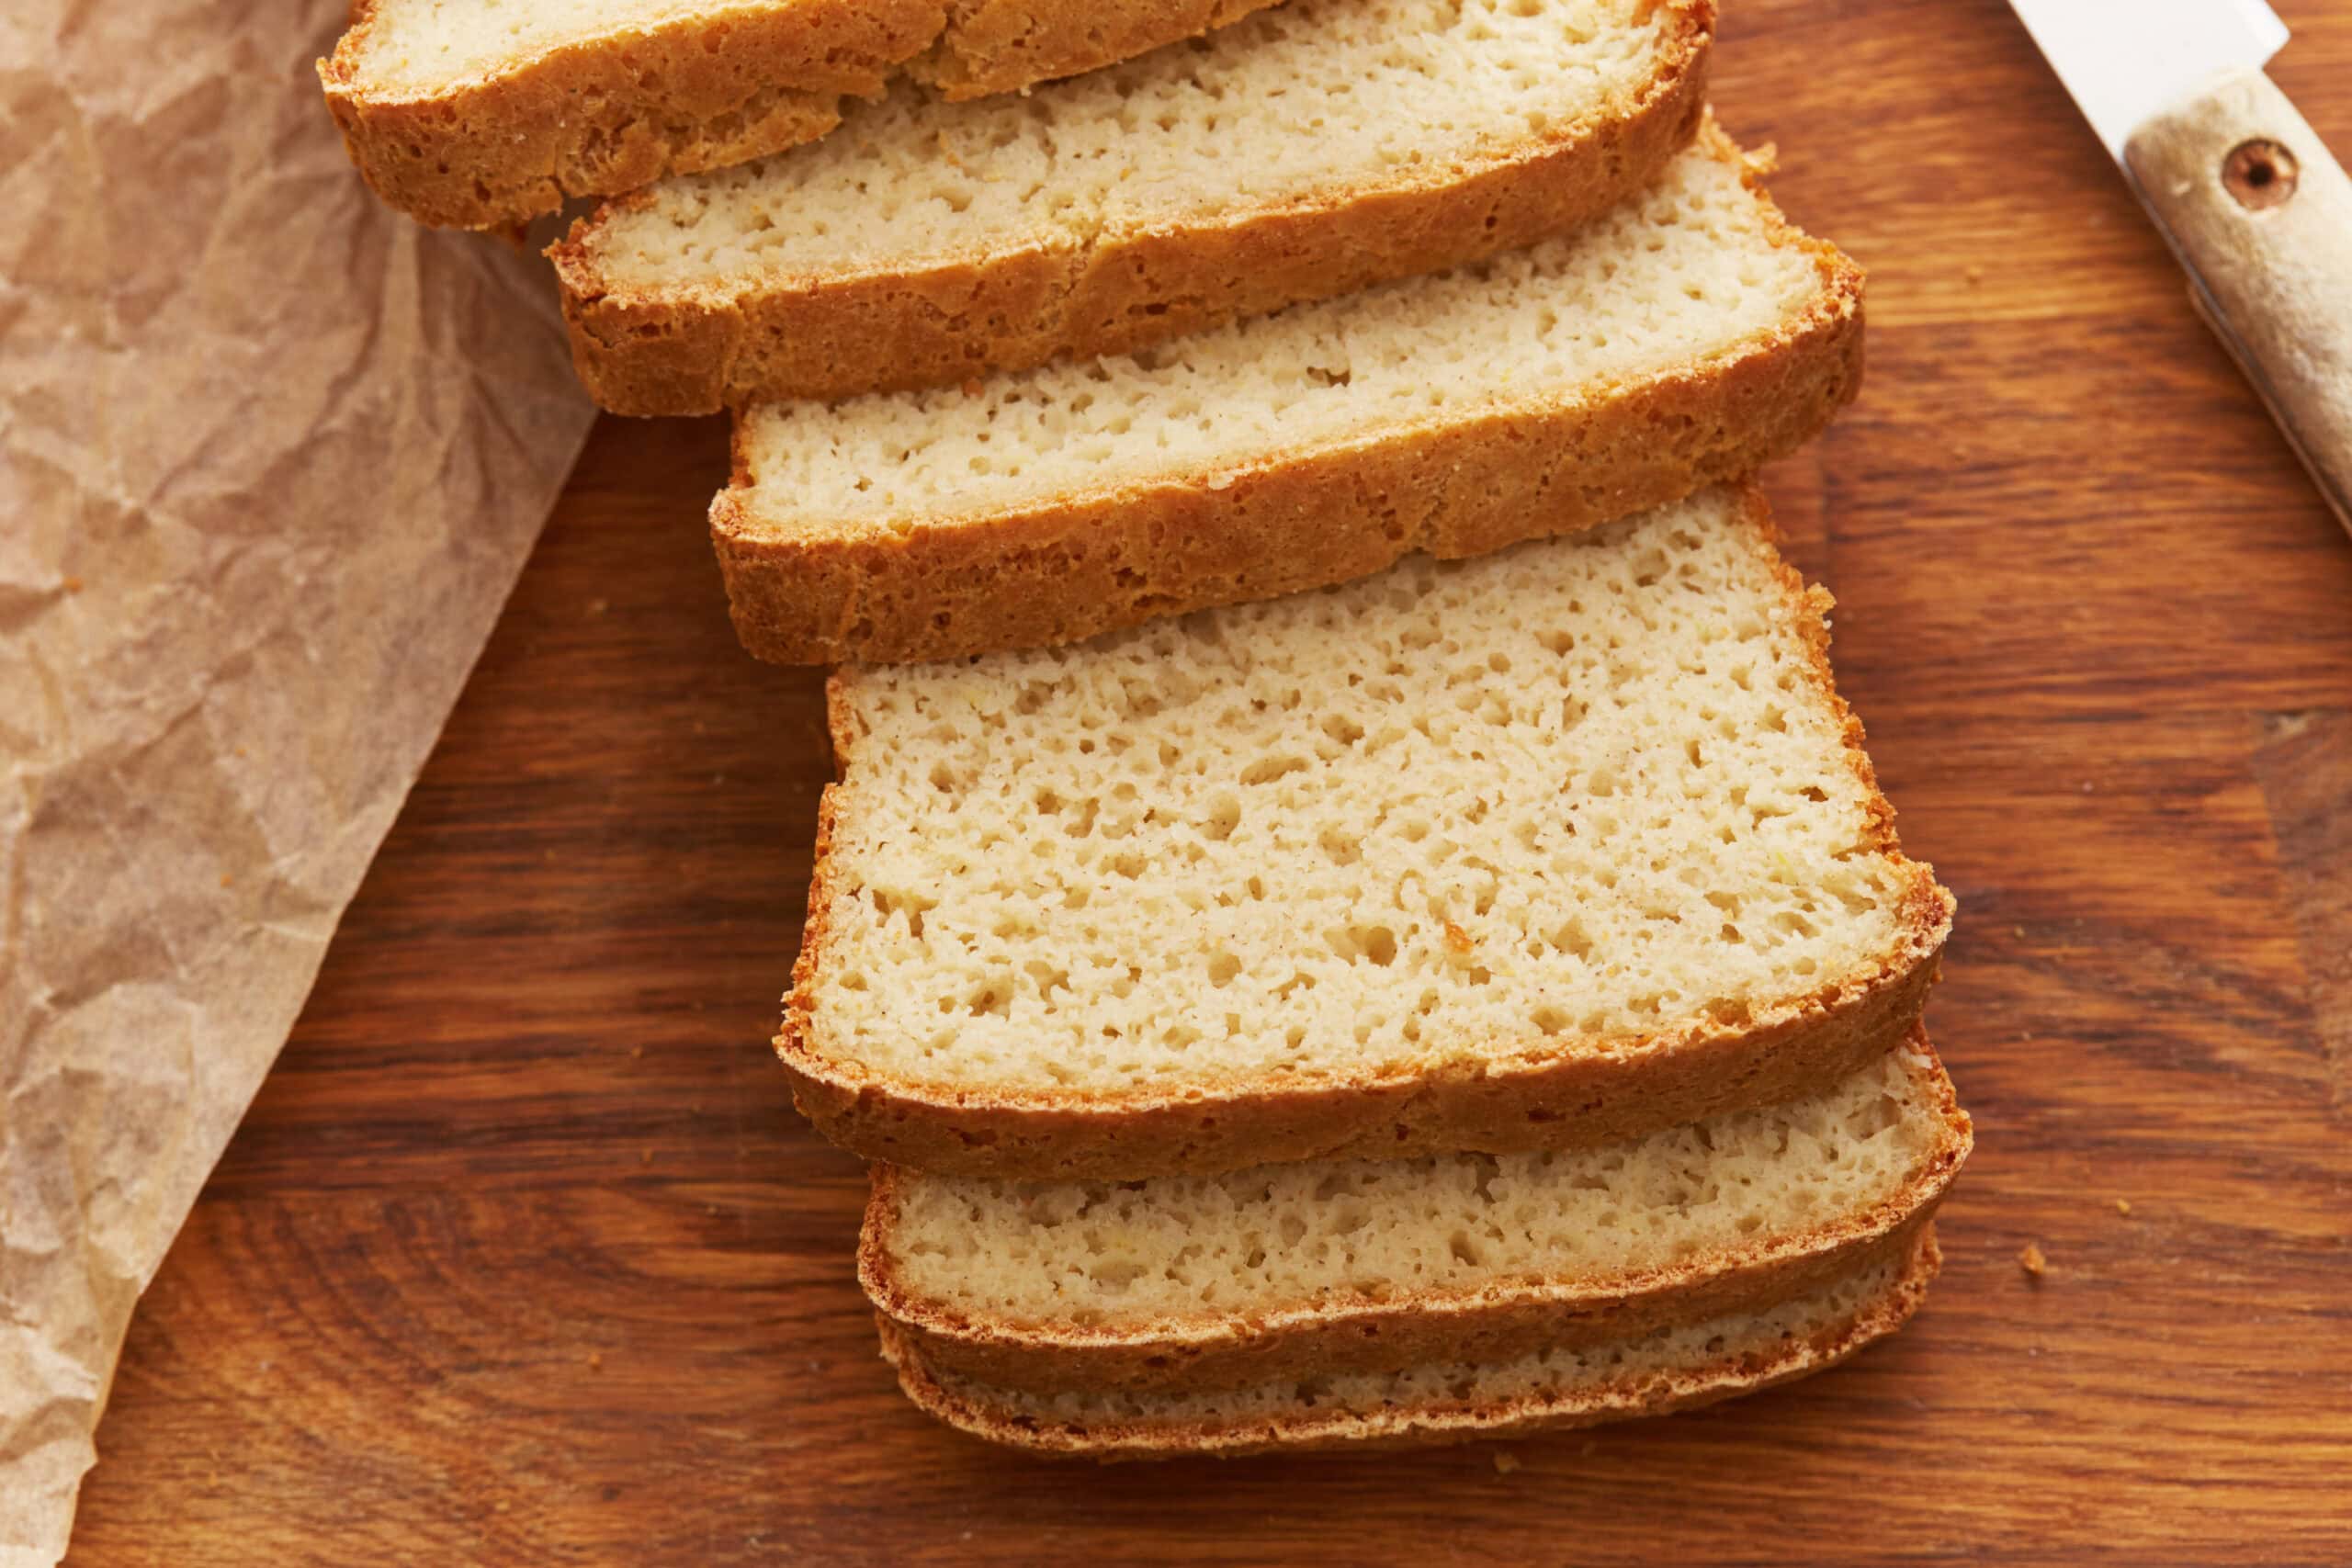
x,y
2261,215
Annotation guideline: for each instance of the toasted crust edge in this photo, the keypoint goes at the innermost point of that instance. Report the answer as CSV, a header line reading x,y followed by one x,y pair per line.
x,y
1079,565
606,115
1224,1349
695,350
967,1409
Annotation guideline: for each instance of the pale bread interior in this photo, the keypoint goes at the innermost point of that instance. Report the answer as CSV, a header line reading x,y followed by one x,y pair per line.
x,y
1317,99
1693,267
1576,795
1301,1238
426,46
1732,1347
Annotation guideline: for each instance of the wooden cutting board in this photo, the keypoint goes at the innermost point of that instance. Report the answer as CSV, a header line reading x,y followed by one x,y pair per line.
x,y
522,1257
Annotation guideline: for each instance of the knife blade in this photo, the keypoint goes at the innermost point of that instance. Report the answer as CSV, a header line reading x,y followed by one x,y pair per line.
x,y
2256,209
2122,61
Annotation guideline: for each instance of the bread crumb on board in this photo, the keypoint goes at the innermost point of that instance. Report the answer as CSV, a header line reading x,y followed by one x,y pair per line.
x,y
1505,1462
2123,1205
2031,1260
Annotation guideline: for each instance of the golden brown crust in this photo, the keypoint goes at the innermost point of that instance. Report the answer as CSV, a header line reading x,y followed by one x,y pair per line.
x,y
1001,46
1228,1350
1078,564
1537,1094
968,1407
697,349
608,114
1567,1100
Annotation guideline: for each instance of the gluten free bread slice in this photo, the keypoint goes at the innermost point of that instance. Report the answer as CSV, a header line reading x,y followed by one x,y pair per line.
x,y
478,114
1681,340
1653,1373
1304,153
1555,847
1295,1270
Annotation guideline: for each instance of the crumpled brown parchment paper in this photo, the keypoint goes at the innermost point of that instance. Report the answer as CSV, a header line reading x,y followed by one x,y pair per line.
x,y
270,459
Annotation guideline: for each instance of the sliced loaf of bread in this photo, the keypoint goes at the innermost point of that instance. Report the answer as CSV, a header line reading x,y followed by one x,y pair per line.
x,y
1307,152
1650,1373
1298,1270
477,116
1562,845
1681,340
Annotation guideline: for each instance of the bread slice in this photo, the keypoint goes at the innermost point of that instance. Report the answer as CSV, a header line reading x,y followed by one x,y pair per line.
x,y
1651,1374
1307,152
1681,340
1300,1270
1557,847
479,116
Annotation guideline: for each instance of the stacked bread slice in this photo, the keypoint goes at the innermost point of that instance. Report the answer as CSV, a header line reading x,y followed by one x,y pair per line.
x,y
1316,147
1564,1385
1552,846
1353,911
1380,1266
477,115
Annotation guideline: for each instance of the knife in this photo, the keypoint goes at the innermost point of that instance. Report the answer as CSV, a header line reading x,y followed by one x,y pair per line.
x,y
2256,210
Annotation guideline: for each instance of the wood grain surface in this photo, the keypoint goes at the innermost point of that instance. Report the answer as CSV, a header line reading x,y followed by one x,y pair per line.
x,y
522,1256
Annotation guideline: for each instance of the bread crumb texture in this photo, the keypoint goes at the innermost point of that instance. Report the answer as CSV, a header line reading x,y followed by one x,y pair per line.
x,y
1294,1237
1572,797
1694,266
1304,101
1733,1345
420,45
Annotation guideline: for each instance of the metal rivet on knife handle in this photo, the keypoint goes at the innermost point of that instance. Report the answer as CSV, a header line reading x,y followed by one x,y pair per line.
x,y
2259,173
